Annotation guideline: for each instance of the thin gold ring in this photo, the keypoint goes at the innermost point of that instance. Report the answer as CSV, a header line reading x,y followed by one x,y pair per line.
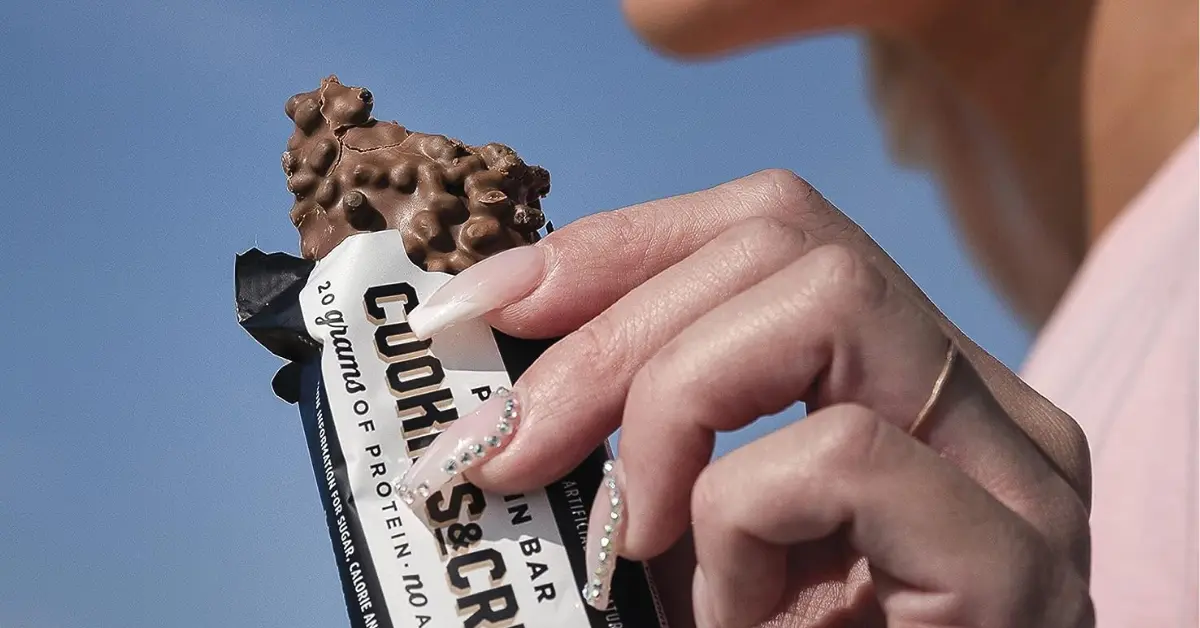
x,y
938,385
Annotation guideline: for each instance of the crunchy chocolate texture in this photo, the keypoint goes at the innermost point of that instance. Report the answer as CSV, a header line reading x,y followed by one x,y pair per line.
x,y
454,204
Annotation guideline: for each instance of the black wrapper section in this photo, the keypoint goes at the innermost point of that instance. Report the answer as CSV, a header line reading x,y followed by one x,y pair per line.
x,y
267,291
329,465
268,307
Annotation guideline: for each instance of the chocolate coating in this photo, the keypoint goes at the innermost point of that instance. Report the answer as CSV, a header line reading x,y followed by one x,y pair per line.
x,y
454,204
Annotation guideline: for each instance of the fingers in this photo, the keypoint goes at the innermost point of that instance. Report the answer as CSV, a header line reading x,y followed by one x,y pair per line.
x,y
570,399
825,329
578,271
947,551
553,288
887,362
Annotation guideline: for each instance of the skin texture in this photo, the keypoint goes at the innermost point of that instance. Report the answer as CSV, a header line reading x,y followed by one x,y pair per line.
x,y
697,314
1141,93
760,284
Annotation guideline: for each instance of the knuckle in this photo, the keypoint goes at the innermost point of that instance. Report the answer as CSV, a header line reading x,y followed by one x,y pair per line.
x,y
665,376
780,193
707,502
619,226
848,283
757,227
788,196
776,193
631,232
762,232
675,380
672,381
849,439
597,349
785,189
758,240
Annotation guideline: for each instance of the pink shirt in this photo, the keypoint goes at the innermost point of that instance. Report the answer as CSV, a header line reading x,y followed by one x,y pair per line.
x,y
1120,355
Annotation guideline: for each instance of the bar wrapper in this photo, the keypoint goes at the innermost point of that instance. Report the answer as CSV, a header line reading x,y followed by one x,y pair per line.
x,y
371,398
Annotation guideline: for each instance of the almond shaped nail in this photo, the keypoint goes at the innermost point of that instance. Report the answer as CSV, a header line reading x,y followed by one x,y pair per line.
x,y
606,524
497,281
472,439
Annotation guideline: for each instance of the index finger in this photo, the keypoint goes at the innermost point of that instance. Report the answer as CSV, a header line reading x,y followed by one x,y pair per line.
x,y
592,263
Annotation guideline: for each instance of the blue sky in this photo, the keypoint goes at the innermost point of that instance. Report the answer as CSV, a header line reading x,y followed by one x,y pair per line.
x,y
150,477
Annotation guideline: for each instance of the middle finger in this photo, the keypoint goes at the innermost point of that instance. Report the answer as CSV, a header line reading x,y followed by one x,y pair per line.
x,y
826,329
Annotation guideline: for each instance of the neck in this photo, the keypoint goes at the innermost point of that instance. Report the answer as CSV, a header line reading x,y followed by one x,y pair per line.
x,y
1140,98
1044,120
1005,128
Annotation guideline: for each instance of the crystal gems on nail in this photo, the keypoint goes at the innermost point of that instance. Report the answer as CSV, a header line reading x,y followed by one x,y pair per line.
x,y
457,450
470,453
606,554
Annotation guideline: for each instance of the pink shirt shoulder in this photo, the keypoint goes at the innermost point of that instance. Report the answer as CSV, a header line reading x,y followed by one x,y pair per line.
x,y
1120,355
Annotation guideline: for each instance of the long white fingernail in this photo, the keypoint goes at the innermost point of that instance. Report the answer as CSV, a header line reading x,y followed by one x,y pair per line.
x,y
497,281
605,528
470,440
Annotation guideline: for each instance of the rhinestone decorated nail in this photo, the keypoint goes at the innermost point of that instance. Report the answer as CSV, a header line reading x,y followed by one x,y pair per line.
x,y
605,525
471,440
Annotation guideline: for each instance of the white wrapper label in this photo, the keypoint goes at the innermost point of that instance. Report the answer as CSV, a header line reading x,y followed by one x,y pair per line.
x,y
481,559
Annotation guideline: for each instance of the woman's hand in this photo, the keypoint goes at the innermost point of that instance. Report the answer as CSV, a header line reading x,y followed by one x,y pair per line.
x,y
701,313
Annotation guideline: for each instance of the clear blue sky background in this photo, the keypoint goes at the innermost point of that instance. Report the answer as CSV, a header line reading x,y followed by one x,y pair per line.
x,y
149,476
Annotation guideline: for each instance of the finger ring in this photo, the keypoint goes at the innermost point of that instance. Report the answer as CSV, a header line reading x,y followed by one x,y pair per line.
x,y
938,385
